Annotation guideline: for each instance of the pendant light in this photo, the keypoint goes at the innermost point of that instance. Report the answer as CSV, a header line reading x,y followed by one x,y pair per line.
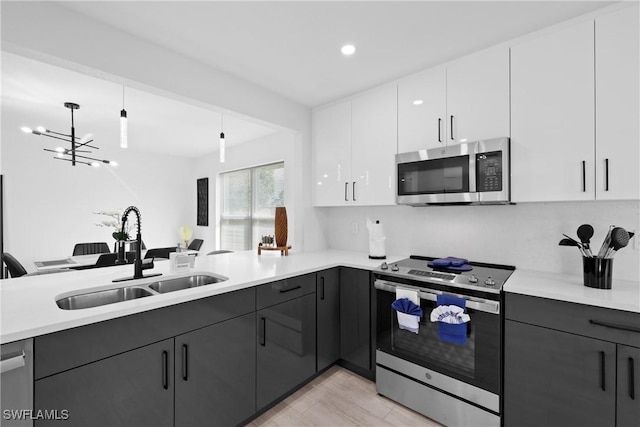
x,y
221,138
123,124
78,149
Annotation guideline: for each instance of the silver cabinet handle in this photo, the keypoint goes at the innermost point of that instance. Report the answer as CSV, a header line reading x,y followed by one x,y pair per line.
x,y
584,176
452,138
606,174
354,191
439,127
12,363
346,185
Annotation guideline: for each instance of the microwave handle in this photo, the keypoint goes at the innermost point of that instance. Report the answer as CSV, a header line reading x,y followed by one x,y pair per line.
x,y
487,306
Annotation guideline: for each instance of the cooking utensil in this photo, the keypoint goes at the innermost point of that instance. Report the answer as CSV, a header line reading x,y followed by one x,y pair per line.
x,y
585,233
571,242
619,239
605,244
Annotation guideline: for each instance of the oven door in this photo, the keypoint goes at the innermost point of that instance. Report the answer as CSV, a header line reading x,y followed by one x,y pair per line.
x,y
477,362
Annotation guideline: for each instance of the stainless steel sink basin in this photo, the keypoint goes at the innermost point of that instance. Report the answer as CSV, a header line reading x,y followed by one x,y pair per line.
x,y
110,296
95,299
177,284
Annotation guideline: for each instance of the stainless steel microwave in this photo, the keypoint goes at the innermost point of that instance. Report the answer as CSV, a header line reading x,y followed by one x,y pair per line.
x,y
470,173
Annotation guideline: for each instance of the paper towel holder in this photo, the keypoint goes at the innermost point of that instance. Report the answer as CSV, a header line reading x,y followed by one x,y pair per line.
x,y
372,242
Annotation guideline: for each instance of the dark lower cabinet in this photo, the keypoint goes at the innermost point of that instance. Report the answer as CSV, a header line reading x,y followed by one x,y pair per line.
x,y
568,364
628,405
214,376
328,315
355,318
133,388
554,378
286,348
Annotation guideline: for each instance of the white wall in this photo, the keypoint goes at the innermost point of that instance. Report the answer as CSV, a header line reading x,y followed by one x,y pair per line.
x,y
525,235
271,149
49,204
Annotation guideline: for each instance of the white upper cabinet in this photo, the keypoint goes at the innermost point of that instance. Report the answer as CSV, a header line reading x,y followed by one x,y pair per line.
x,y
478,96
332,153
467,100
617,99
354,147
373,147
552,116
422,110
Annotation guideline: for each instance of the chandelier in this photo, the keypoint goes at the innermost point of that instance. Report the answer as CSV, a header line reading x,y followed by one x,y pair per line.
x,y
77,149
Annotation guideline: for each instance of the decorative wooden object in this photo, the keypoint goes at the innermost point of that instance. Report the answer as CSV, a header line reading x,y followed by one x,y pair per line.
x,y
281,226
281,234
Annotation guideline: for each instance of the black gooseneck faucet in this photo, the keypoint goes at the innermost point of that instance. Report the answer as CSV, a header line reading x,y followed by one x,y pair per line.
x,y
138,265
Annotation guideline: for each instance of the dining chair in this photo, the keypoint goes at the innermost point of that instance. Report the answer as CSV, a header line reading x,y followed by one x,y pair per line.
x,y
159,252
15,268
106,260
90,248
195,245
222,251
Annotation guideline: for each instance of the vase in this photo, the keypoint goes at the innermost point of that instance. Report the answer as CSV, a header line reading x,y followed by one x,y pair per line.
x,y
281,231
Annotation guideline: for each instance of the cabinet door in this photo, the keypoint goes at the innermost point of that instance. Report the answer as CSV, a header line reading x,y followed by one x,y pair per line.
x,y
332,154
478,96
215,374
328,324
422,101
131,389
286,347
552,116
617,101
374,146
628,411
557,378
355,317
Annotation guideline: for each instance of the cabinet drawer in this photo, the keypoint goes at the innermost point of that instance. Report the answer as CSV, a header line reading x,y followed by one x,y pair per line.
x,y
617,326
285,290
68,349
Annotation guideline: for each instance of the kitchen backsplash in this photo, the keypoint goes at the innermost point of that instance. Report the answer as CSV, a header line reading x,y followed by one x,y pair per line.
x,y
525,235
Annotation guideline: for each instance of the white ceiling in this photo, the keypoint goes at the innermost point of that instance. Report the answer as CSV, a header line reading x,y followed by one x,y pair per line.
x,y
289,47
33,94
293,47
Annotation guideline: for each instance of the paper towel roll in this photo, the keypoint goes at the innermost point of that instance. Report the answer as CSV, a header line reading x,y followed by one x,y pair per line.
x,y
376,240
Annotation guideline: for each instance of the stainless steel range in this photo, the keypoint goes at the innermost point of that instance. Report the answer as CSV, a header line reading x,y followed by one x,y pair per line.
x,y
455,382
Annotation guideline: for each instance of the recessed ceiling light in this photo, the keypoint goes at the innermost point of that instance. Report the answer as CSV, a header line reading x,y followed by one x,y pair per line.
x,y
418,102
348,49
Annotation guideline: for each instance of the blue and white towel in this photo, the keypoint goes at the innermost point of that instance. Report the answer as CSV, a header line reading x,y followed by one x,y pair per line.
x,y
452,319
409,314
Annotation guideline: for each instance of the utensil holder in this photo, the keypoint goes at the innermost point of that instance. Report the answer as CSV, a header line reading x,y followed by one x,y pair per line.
x,y
597,272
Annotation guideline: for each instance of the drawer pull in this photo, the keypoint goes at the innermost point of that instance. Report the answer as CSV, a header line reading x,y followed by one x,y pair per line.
x,y
165,370
615,326
185,362
263,331
603,374
632,379
282,291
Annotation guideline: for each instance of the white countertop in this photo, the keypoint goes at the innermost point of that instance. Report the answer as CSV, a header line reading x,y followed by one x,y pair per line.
x,y
28,303
623,295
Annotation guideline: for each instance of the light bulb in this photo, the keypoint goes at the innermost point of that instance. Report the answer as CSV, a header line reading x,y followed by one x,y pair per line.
x,y
95,164
114,164
60,149
123,129
41,129
348,49
418,102
26,129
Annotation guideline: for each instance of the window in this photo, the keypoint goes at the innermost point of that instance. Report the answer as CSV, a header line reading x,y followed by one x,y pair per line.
x,y
249,199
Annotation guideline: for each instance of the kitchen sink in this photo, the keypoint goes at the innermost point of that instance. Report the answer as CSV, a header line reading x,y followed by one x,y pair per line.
x,y
177,284
95,299
110,296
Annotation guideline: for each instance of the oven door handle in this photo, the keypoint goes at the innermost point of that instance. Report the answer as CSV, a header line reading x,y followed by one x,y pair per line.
x,y
479,304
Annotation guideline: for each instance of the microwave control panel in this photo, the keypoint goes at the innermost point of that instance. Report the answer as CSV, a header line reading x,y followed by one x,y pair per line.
x,y
489,171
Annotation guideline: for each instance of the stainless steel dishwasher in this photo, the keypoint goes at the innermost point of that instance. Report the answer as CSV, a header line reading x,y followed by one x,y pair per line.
x,y
16,383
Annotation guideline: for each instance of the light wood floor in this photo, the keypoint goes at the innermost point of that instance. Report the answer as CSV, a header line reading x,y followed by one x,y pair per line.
x,y
339,397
